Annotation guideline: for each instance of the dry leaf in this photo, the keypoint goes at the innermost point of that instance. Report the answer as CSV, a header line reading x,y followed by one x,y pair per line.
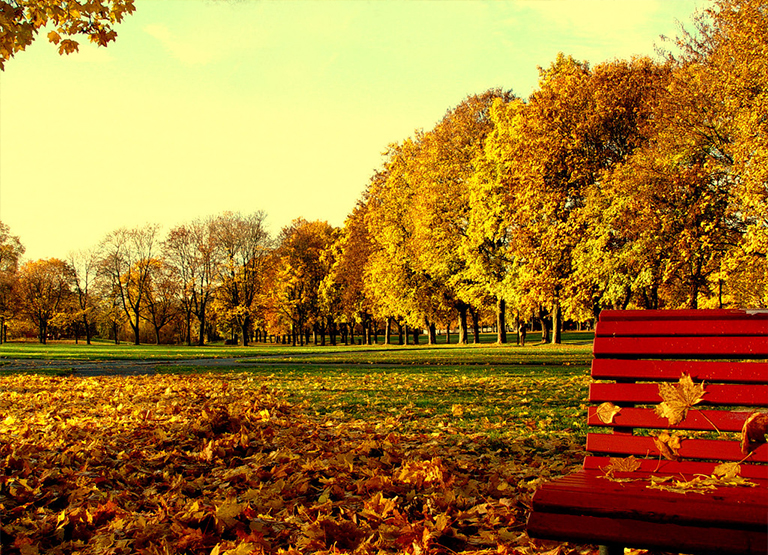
x,y
628,464
753,432
606,412
668,445
678,398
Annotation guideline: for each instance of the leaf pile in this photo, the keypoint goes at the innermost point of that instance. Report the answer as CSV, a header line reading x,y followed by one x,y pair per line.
x,y
223,464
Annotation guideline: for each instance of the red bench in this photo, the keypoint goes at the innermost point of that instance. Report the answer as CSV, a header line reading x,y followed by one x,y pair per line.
x,y
629,492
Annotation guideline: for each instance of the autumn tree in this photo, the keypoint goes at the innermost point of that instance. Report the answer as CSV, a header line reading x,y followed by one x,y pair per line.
x,y
44,290
305,258
161,296
126,264
84,265
194,254
245,246
441,202
11,251
23,19
342,294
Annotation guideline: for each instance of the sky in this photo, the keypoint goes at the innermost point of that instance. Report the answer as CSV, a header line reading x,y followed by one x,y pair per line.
x,y
207,106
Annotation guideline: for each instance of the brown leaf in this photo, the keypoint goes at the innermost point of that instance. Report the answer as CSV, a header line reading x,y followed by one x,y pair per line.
x,y
628,464
606,412
753,432
678,398
668,445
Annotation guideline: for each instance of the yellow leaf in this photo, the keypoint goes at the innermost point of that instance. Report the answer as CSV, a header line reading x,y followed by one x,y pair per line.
x,y
607,411
677,399
668,445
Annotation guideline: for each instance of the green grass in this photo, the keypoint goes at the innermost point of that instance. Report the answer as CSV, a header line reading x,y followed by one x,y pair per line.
x,y
485,388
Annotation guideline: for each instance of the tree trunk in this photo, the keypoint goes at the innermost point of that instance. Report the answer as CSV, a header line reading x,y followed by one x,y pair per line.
x,y
463,324
388,331
557,323
501,321
475,325
399,333
432,331
448,333
407,333
544,326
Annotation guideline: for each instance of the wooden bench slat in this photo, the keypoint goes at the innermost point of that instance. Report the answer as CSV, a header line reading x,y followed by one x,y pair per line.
x,y
671,347
714,394
681,328
642,534
586,493
691,315
641,446
658,370
688,469
699,420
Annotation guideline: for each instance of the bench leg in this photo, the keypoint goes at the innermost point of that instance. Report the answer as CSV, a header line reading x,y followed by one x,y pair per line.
x,y
611,550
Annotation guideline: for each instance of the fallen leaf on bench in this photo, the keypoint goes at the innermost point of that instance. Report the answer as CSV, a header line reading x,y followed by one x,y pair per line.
x,y
628,464
668,483
606,412
678,398
727,474
668,445
753,432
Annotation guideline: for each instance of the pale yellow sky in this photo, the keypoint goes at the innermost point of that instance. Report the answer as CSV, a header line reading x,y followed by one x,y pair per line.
x,y
201,107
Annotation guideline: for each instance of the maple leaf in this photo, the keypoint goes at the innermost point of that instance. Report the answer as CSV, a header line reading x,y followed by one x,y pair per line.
x,y
606,412
677,399
753,432
628,464
668,445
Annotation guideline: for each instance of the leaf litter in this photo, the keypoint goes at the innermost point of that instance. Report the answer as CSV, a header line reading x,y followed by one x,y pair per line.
x,y
224,464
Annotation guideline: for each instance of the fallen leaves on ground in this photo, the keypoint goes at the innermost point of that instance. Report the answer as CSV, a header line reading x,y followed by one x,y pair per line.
x,y
225,465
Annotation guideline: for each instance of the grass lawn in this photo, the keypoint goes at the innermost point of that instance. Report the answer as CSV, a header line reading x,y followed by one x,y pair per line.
x,y
366,449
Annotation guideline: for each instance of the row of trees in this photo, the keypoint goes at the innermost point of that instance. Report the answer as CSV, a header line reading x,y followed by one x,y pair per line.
x,y
637,183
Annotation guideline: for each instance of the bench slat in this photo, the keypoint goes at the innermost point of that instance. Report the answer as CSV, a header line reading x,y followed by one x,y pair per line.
x,y
700,420
671,347
642,446
712,371
589,493
681,328
638,533
688,469
714,394
690,315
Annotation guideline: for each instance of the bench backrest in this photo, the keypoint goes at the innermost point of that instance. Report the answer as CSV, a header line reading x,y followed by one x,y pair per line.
x,y
635,351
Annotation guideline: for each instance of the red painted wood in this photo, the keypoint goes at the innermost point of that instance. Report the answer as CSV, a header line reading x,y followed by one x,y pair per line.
x,y
701,420
732,314
644,535
587,492
687,469
683,328
642,446
642,346
666,347
658,370
714,394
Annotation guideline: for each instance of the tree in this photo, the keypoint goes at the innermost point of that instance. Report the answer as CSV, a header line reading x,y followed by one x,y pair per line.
x,y
305,258
441,203
84,265
126,263
245,246
22,19
191,249
44,289
11,251
161,296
